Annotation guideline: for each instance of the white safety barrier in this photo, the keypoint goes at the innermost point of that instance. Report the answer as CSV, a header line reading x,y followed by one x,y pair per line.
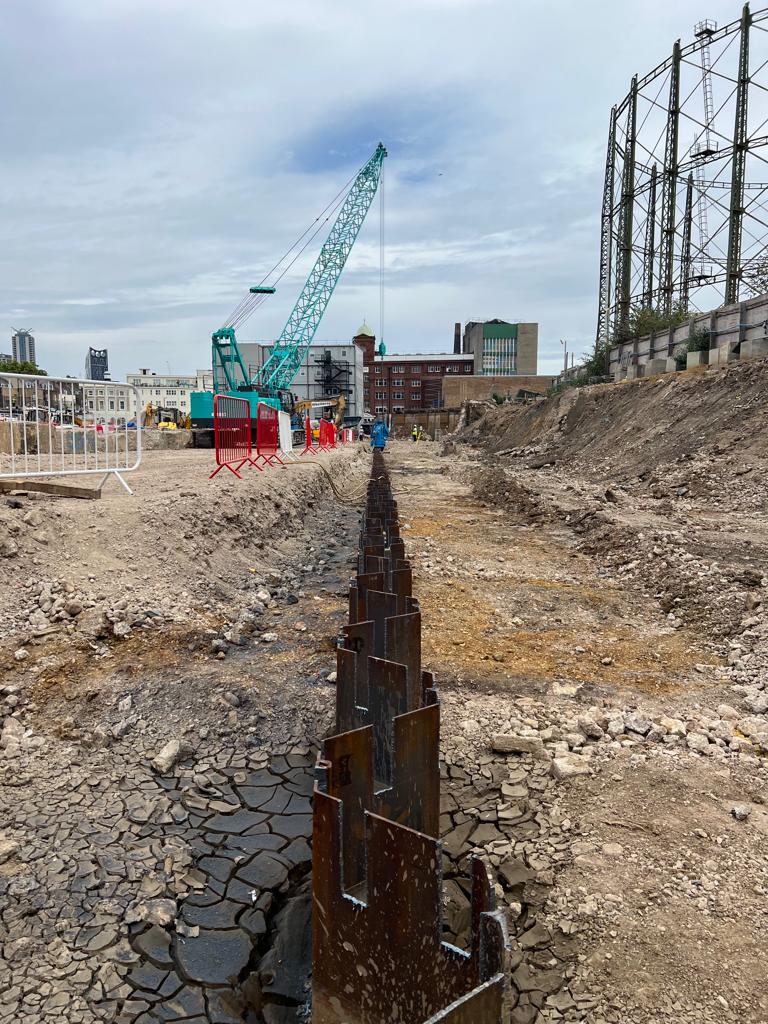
x,y
62,426
286,437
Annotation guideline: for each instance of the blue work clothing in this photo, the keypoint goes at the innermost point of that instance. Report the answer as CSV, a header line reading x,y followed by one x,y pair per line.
x,y
379,435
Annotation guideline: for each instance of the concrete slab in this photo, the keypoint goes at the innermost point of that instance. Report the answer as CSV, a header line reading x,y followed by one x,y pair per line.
x,y
654,366
755,349
696,359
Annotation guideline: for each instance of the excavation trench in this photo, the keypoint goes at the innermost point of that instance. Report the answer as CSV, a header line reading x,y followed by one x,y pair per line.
x,y
142,893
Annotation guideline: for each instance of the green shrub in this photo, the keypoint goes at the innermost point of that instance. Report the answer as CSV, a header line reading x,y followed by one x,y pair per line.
x,y
698,341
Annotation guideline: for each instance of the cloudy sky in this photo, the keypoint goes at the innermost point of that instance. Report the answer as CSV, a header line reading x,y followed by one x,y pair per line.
x,y
159,155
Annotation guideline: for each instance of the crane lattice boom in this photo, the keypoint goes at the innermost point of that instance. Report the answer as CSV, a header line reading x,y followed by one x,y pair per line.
x,y
289,350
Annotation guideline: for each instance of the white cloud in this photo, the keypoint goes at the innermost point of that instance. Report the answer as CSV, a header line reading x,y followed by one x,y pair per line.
x,y
160,156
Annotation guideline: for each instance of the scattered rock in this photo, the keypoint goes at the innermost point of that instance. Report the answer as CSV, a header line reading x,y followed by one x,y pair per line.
x,y
167,757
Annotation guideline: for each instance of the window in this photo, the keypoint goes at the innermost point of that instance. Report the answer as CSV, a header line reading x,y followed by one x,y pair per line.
x,y
381,408
397,383
468,367
381,394
398,369
398,408
365,369
415,368
377,369
415,396
434,368
112,404
415,383
171,391
122,404
397,394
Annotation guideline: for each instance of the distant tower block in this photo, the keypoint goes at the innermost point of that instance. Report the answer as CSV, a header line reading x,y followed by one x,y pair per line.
x,y
96,364
23,345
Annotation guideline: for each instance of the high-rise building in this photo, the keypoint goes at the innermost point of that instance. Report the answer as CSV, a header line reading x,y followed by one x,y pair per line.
x,y
96,364
23,344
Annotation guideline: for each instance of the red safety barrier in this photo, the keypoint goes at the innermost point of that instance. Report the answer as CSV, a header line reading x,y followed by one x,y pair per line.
x,y
309,448
232,434
267,436
327,439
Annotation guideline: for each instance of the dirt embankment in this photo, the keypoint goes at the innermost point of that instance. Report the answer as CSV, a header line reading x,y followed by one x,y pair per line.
x,y
173,554
634,429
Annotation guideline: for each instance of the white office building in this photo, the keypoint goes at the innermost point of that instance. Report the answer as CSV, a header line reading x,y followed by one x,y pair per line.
x,y
329,369
169,390
109,400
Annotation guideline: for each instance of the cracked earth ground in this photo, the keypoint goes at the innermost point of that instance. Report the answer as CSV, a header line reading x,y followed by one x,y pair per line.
x,y
141,892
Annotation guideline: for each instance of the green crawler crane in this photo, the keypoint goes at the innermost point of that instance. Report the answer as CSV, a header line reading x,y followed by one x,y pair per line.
x,y
272,382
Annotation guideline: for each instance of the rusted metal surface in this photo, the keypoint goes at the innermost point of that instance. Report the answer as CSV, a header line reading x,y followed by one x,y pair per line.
x,y
377,882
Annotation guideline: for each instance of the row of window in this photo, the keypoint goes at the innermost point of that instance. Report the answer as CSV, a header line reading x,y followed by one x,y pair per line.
x,y
399,408
431,368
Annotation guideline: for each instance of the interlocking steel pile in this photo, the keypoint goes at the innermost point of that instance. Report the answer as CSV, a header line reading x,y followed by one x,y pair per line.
x,y
377,881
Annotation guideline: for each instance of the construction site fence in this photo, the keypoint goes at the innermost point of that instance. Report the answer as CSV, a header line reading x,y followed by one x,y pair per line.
x,y
267,436
232,434
285,432
66,426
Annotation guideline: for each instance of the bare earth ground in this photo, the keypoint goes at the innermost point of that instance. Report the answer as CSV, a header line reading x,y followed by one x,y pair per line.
x,y
198,614
533,632
614,645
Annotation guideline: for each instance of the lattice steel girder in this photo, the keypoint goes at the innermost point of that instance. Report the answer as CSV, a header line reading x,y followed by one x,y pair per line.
x,y
669,187
650,242
295,338
606,236
740,148
685,255
626,219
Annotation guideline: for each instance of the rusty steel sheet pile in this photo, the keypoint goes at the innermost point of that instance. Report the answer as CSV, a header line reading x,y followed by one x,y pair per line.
x,y
378,955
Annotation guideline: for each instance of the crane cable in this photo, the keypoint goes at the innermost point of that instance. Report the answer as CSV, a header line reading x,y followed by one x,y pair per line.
x,y
381,255
252,301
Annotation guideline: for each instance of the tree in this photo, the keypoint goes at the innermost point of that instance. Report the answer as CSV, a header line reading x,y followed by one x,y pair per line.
x,y
757,278
645,319
14,366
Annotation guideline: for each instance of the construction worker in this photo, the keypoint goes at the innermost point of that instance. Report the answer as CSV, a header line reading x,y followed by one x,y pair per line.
x,y
419,433
415,433
379,434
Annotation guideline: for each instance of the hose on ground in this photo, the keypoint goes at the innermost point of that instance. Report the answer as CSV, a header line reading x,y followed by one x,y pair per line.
x,y
339,494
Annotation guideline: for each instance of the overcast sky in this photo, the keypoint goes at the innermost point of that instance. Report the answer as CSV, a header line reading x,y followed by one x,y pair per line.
x,y
160,155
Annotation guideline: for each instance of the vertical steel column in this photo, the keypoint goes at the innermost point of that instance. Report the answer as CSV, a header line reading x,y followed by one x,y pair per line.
x,y
685,256
626,220
606,238
669,189
740,148
650,242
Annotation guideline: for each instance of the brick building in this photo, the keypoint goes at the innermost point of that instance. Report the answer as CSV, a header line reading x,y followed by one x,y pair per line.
x,y
412,382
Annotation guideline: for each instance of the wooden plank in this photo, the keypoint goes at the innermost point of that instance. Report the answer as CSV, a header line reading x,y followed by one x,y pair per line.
x,y
62,490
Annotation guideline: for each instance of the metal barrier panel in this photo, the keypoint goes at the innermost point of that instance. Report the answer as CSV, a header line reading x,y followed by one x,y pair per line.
x,y
284,432
309,448
327,437
267,436
377,948
66,426
232,434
